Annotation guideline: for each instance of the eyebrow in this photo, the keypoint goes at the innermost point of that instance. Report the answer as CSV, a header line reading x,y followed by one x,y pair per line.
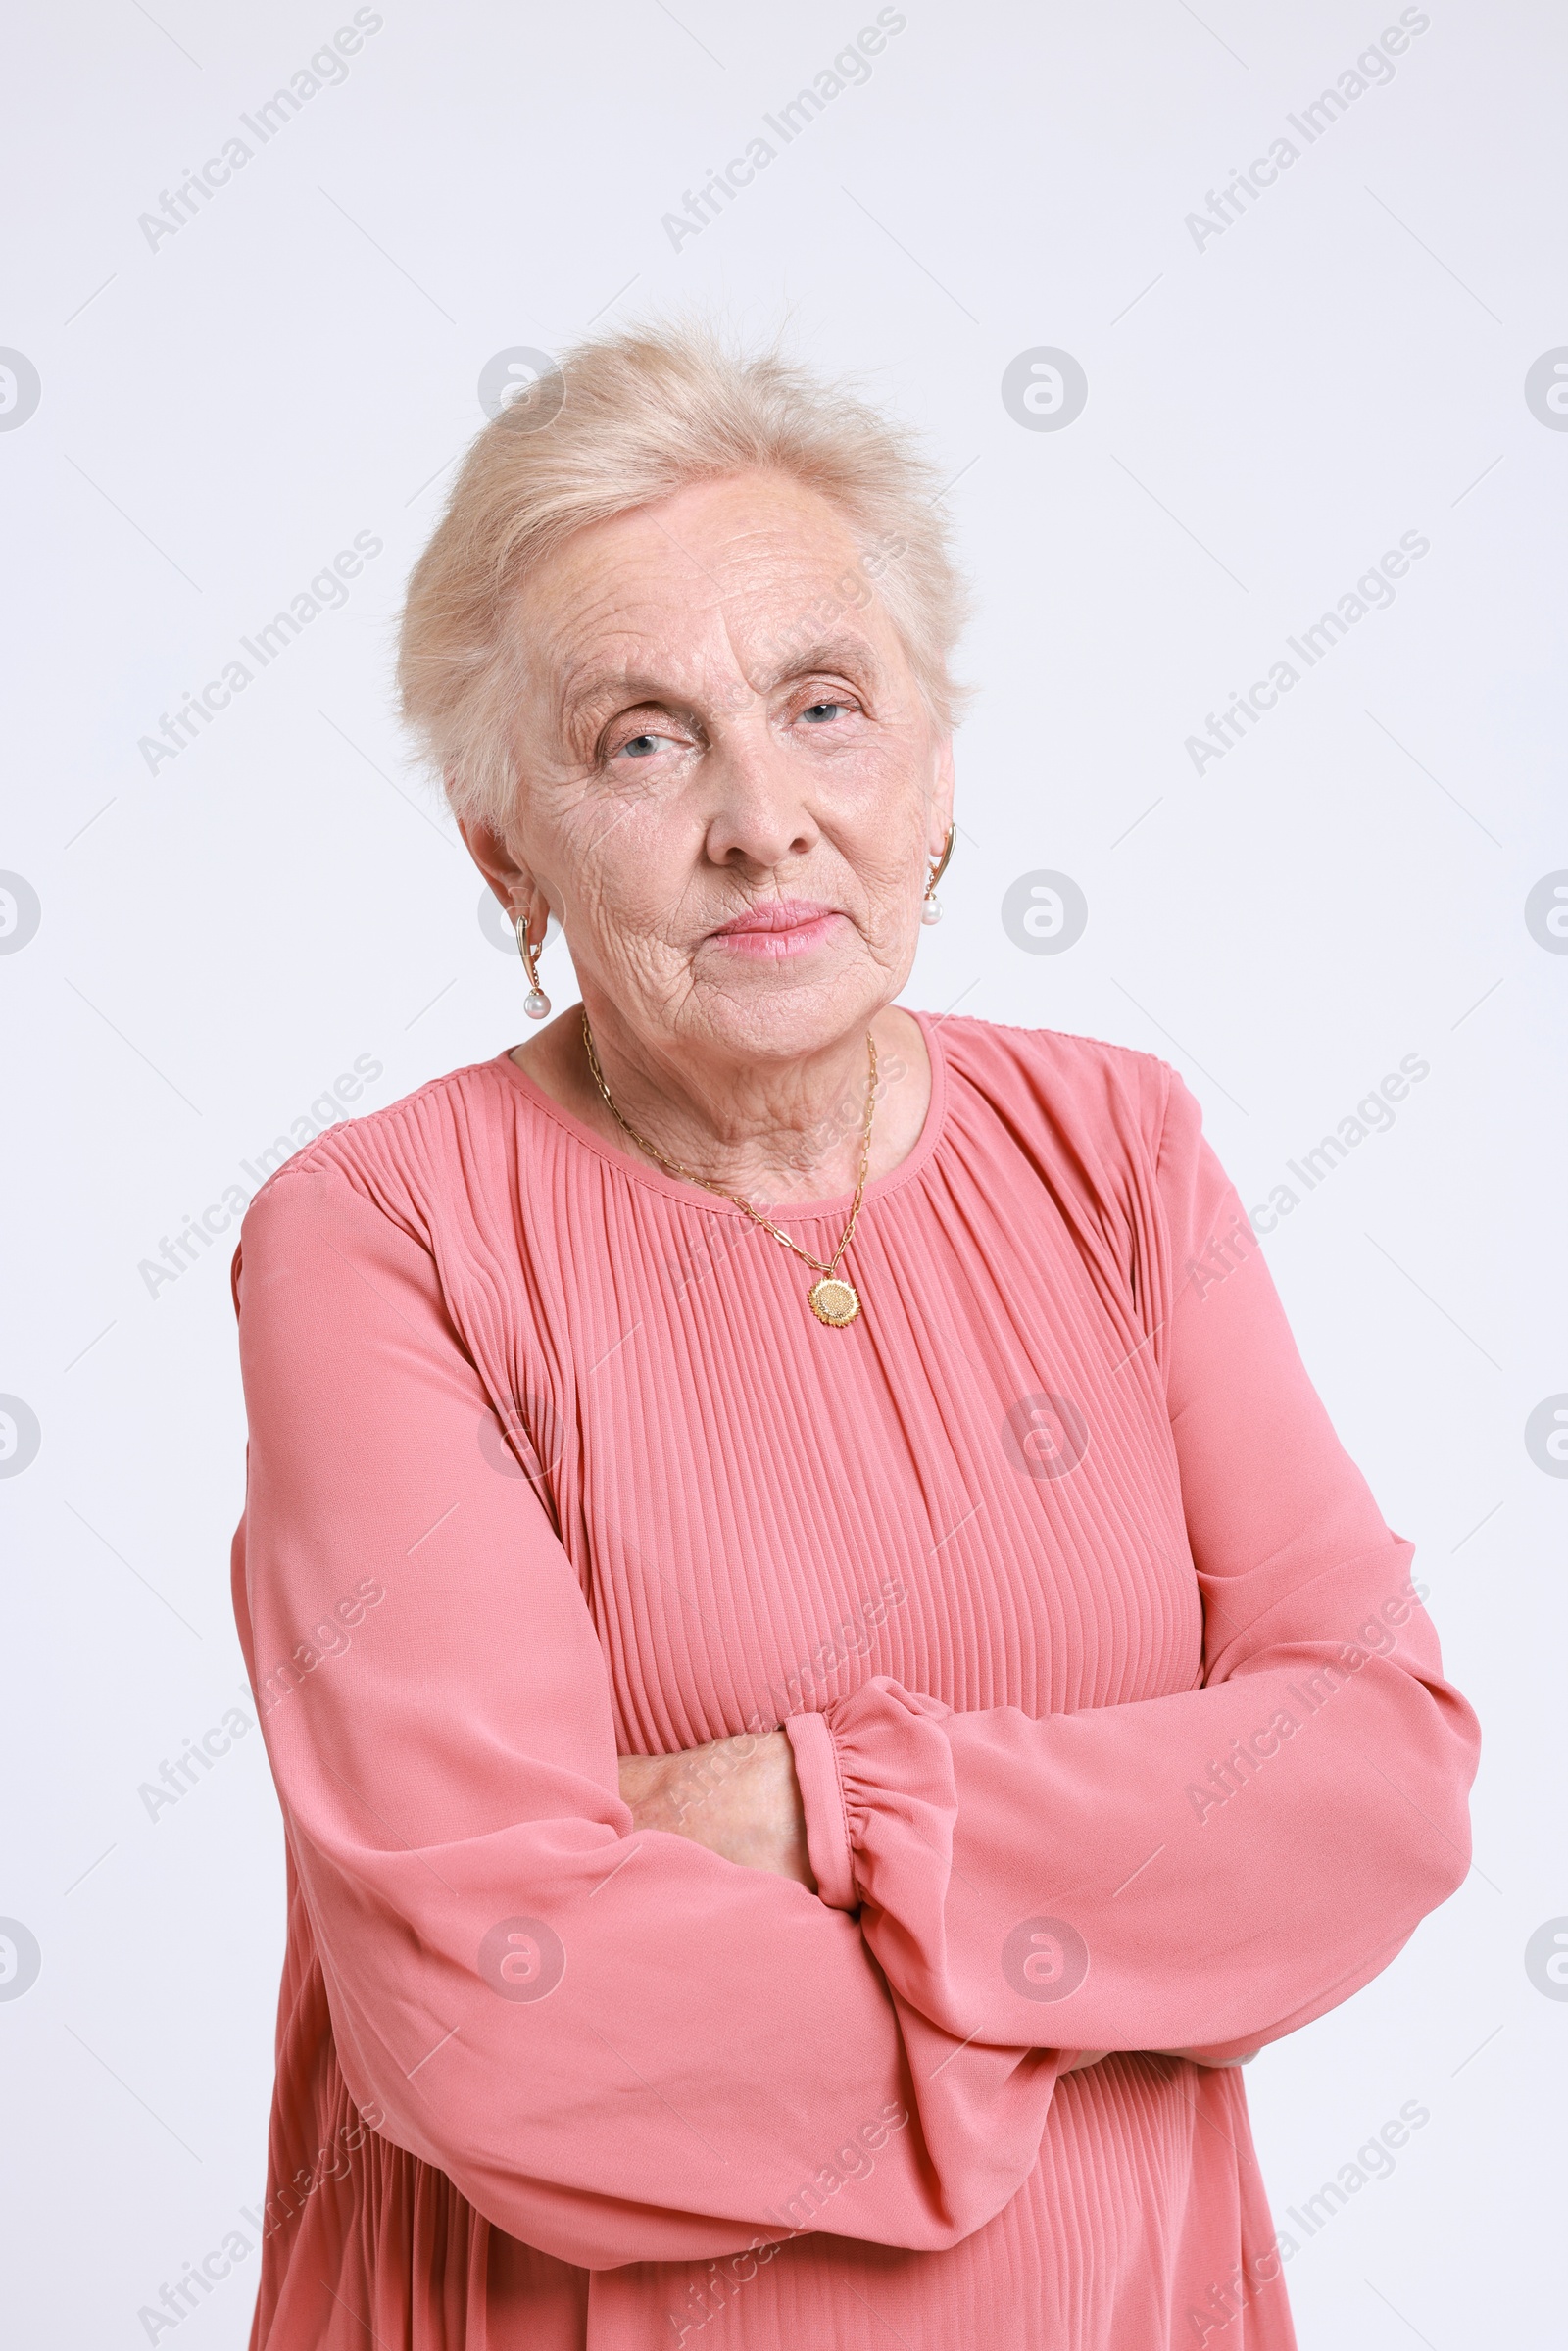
x,y
618,685
843,654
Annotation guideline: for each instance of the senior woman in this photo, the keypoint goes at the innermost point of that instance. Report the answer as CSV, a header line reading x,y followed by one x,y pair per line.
x,y
826,1671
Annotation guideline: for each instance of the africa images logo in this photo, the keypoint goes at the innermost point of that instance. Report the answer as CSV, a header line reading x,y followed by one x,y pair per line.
x,y
1045,1959
522,1959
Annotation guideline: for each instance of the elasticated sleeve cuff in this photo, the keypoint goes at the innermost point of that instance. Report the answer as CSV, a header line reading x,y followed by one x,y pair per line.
x,y
827,1836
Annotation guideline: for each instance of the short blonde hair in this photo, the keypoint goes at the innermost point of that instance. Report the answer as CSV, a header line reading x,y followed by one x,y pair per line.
x,y
630,419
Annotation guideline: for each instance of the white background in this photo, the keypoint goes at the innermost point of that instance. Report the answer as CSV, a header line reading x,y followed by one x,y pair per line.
x,y
221,414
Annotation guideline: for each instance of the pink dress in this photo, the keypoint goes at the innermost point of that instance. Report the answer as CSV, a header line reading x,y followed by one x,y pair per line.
x,y
1117,1722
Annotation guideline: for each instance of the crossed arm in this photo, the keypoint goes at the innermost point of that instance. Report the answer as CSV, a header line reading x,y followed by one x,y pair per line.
x,y
741,1798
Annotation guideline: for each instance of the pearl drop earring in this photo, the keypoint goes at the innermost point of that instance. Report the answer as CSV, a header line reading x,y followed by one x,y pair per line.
x,y
930,906
535,1003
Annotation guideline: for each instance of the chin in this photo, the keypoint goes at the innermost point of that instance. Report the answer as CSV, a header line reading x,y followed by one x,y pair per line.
x,y
780,1018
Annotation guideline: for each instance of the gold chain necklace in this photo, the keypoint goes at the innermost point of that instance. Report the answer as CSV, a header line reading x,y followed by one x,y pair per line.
x,y
832,1300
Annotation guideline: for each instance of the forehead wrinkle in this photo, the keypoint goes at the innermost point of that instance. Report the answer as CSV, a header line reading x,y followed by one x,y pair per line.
x,y
588,662
761,562
679,545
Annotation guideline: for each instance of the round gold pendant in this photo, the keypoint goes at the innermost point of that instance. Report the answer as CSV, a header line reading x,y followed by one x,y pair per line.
x,y
833,1301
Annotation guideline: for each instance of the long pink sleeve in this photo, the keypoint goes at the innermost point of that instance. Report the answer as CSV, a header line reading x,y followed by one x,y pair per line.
x,y
1206,1870
668,2046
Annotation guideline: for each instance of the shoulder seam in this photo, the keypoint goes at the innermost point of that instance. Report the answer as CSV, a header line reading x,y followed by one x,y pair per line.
x,y
1106,1045
313,1156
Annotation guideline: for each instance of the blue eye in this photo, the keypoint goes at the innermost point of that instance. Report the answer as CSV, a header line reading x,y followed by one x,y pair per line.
x,y
641,746
819,713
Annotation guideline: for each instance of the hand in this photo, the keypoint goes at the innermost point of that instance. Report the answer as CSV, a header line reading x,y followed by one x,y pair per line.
x,y
737,1796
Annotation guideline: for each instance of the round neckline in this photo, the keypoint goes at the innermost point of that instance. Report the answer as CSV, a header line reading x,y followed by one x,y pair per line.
x,y
653,1179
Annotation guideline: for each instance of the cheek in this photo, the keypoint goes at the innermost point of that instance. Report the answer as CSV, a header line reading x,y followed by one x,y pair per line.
x,y
879,827
624,874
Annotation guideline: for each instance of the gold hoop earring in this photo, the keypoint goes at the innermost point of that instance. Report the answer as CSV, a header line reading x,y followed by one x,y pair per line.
x,y
535,1003
930,906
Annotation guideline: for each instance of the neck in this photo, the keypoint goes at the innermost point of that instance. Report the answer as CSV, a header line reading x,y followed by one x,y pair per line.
x,y
780,1136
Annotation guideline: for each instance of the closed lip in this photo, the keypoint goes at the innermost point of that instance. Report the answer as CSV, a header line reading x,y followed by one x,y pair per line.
x,y
775,914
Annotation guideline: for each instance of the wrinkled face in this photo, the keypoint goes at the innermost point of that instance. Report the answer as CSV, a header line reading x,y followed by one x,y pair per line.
x,y
731,786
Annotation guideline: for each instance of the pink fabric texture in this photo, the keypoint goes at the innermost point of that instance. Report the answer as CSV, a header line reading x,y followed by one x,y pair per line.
x,y
1118,1724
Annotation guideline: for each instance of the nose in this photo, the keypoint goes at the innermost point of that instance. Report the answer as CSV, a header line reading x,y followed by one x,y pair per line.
x,y
759,814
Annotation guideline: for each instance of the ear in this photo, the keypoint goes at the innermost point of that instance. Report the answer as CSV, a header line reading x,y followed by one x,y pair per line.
x,y
512,884
941,799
